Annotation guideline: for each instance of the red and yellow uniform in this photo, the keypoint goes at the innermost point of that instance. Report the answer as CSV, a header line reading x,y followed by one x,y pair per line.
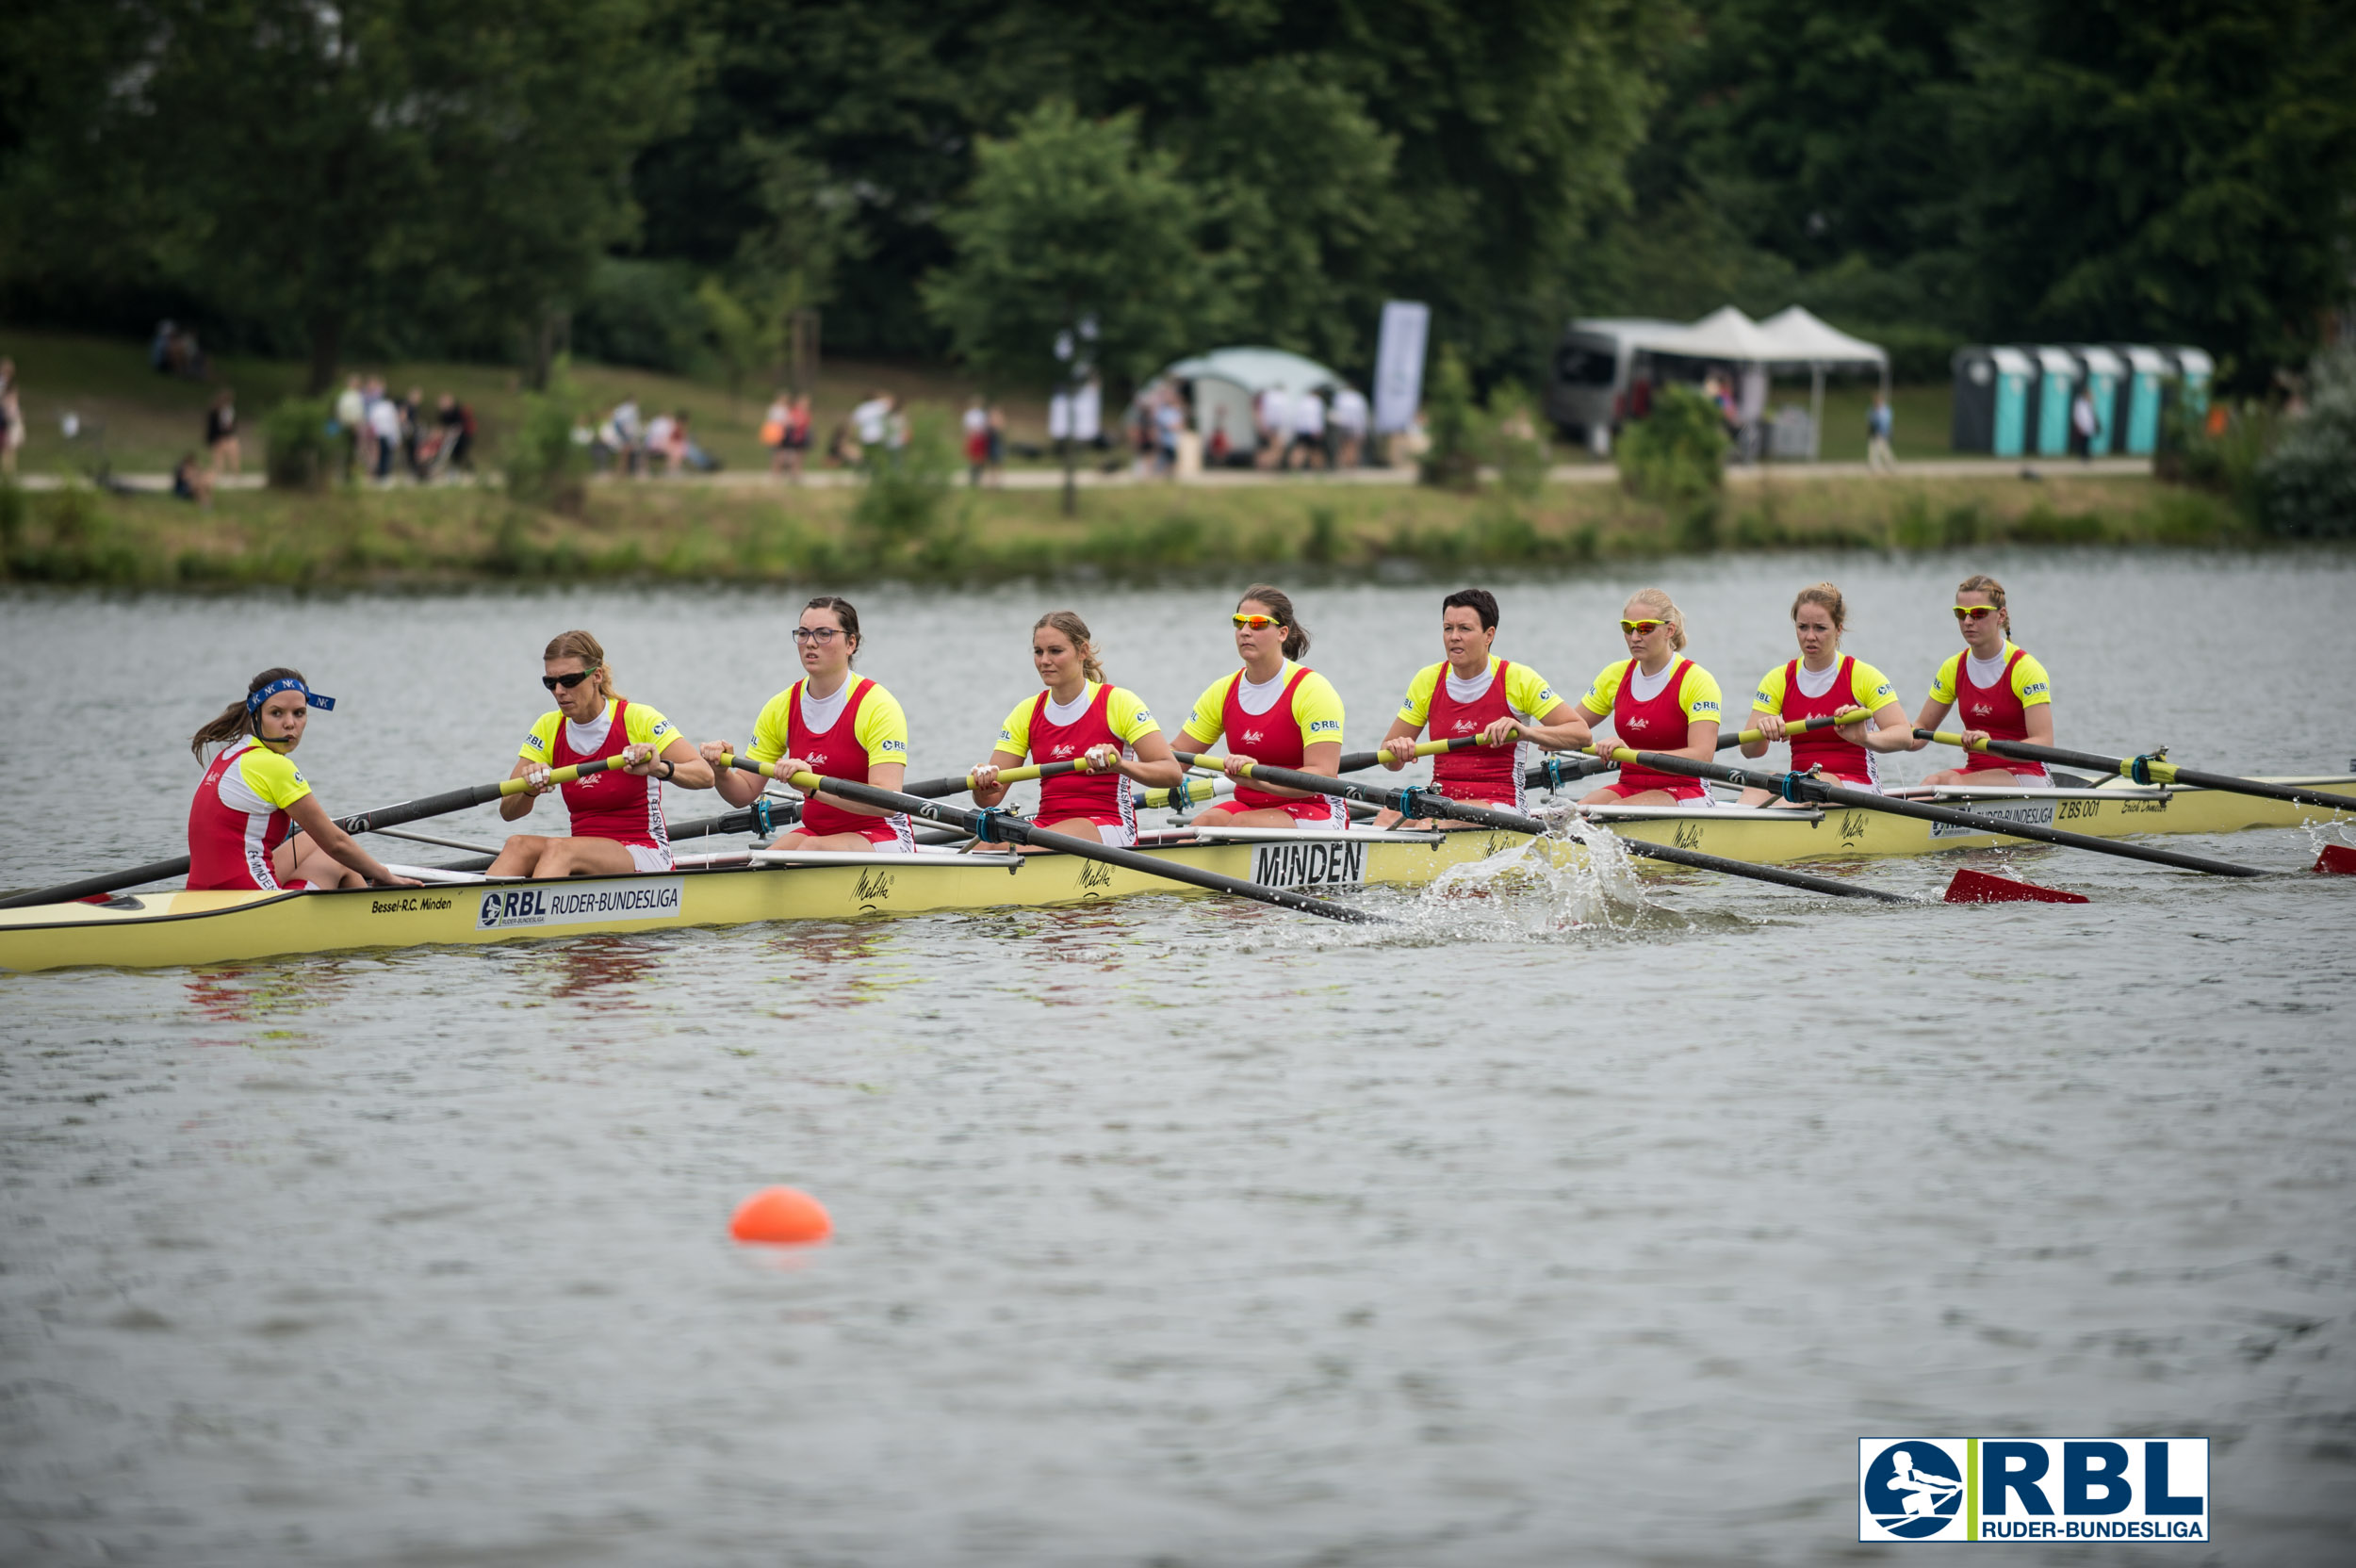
x,y
1276,723
1786,692
1996,696
1102,715
239,817
858,728
1655,713
613,805
1450,706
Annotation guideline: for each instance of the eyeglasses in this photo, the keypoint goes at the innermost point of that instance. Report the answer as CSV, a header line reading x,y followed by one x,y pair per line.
x,y
1974,612
1640,629
1257,623
817,633
566,681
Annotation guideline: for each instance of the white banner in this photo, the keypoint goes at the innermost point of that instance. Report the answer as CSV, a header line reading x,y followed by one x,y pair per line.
x,y
1399,365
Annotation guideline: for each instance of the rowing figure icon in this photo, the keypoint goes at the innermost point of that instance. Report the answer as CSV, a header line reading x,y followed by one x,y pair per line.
x,y
1913,1489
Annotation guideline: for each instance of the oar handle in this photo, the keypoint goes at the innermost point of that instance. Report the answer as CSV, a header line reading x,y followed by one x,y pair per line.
x,y
571,773
1821,721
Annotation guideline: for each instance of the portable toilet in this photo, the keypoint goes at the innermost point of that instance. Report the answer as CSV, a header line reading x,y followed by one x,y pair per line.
x,y
2056,374
2104,373
2193,370
1990,401
2137,408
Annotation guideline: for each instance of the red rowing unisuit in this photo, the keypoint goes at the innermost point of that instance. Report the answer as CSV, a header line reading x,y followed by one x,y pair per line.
x,y
1273,737
1999,710
836,752
1825,748
611,804
1476,772
1657,723
1102,798
229,848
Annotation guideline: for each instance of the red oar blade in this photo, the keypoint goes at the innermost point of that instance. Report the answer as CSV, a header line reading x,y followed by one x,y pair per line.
x,y
1979,887
2337,859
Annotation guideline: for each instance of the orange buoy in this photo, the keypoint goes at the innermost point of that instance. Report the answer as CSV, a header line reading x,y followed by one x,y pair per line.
x,y
783,1215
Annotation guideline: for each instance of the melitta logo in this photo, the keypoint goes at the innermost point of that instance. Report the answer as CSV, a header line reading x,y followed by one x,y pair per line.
x,y
1251,736
2033,1489
1464,726
1063,751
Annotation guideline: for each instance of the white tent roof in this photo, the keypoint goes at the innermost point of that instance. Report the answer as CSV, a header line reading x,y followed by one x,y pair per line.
x,y
1804,336
1724,334
1257,369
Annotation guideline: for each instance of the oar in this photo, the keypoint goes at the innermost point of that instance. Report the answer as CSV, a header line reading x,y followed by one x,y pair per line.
x,y
366,822
996,826
2151,768
1800,786
1821,721
1413,802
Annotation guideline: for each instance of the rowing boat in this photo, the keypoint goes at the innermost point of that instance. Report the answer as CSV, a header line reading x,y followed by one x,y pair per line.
x,y
157,929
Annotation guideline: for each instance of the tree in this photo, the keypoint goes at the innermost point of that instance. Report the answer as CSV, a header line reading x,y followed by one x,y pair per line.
x,y
1072,232
327,169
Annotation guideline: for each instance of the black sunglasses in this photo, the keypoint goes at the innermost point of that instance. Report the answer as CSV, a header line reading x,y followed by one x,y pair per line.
x,y
566,681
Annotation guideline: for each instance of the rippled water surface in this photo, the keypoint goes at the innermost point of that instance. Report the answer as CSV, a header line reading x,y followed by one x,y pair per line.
x,y
1568,1223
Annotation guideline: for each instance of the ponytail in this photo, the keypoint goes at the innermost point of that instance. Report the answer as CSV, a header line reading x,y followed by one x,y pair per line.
x,y
234,721
1983,583
1281,606
1069,623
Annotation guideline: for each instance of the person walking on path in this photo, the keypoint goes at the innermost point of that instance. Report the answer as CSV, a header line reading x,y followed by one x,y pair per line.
x,y
352,412
2083,424
976,442
1878,423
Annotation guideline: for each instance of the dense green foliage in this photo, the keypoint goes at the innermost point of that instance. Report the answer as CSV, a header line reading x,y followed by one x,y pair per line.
x,y
298,451
1677,458
2308,481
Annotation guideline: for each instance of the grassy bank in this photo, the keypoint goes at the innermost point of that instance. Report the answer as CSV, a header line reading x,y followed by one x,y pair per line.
x,y
657,532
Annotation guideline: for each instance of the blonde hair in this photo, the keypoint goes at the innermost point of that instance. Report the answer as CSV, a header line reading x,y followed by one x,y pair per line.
x,y
1657,600
1980,582
1069,623
1827,595
584,646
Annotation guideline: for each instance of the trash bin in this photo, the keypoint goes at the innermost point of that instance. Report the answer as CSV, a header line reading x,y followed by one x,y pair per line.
x,y
2056,375
2137,418
1990,401
2103,371
2193,370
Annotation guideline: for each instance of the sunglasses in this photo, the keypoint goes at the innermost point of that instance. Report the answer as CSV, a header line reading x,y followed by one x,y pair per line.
x,y
817,633
1257,623
565,682
1640,629
1974,612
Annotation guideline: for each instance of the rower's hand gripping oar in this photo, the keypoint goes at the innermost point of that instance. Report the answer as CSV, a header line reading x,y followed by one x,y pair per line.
x,y
1806,786
2152,767
363,822
993,825
1413,802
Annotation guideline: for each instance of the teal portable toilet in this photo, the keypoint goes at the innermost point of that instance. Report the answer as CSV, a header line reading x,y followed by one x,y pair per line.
x,y
1991,410
2139,402
2056,374
2103,371
2193,370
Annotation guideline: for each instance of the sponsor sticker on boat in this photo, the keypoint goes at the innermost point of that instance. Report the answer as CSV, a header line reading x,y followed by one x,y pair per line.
x,y
1315,864
2033,813
2014,1489
578,902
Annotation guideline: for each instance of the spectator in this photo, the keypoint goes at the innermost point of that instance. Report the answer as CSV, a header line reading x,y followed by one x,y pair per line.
x,y
1640,399
870,418
412,430
617,439
773,425
997,444
191,482
1272,424
1217,450
1878,423
12,417
895,430
1350,418
453,448
159,348
1308,444
184,355
658,444
976,442
221,432
842,448
352,414
686,456
383,430
798,426
2083,424
1169,420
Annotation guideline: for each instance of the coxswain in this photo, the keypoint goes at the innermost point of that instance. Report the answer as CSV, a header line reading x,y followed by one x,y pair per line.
x,y
1080,716
2004,693
1273,711
834,723
616,815
1821,683
253,797
1473,691
1655,701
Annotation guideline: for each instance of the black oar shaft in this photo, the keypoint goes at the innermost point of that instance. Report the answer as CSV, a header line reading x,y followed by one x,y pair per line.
x,y
1805,788
1411,802
2158,769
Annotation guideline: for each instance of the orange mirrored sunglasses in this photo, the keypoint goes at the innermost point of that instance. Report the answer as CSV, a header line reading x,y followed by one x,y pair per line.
x,y
1640,629
1974,612
1257,623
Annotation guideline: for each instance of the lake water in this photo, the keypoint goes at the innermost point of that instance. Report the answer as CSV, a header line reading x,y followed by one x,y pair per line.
x,y
1575,1224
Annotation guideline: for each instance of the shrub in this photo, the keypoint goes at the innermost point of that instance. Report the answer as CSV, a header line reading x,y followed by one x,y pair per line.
x,y
302,453
545,465
1452,460
2307,485
1514,442
1675,456
900,504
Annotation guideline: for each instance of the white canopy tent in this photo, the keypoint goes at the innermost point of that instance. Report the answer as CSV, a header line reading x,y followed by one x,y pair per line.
x,y
1226,382
1786,340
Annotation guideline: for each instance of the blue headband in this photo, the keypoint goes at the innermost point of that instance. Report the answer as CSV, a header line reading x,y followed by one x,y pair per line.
x,y
254,702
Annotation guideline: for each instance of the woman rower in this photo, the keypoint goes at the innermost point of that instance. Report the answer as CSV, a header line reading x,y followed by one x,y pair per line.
x,y
1472,692
1821,683
1080,715
1656,702
2004,694
1273,711
837,724
618,824
254,796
